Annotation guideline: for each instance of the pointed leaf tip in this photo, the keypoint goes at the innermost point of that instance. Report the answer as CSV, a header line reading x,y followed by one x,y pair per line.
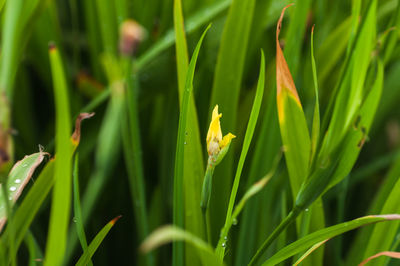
x,y
52,46
113,221
284,78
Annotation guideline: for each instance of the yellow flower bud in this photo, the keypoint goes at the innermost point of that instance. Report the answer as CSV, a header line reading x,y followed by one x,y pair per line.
x,y
215,142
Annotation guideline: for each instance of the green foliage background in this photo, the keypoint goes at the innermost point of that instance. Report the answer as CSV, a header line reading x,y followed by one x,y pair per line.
x,y
143,155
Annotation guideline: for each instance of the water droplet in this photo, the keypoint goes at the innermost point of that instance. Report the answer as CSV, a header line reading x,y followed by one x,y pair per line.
x,y
13,188
235,221
17,181
184,143
74,219
25,165
223,245
306,210
9,198
225,237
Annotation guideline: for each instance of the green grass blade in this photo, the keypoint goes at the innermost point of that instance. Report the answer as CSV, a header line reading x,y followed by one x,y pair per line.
x,y
108,25
266,146
193,156
382,237
178,205
316,118
246,145
225,92
355,139
392,39
326,233
182,58
35,197
34,249
169,233
59,217
109,139
26,212
331,50
87,255
351,91
77,207
11,37
292,121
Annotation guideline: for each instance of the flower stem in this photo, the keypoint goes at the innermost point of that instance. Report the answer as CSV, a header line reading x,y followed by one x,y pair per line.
x,y
205,197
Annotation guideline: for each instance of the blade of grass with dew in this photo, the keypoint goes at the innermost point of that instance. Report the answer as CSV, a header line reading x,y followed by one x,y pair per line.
x,y
18,178
29,207
326,233
169,233
77,207
220,250
254,189
178,208
193,156
225,92
87,255
26,212
60,208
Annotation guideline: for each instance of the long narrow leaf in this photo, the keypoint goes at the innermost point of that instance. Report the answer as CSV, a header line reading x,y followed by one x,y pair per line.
x,y
326,233
246,145
87,255
18,178
178,208
169,233
193,156
61,203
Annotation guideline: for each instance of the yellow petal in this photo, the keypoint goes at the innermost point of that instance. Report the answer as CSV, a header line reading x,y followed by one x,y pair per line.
x,y
226,140
214,131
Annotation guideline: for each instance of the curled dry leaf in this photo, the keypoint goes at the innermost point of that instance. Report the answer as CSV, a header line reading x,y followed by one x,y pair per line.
x,y
76,136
